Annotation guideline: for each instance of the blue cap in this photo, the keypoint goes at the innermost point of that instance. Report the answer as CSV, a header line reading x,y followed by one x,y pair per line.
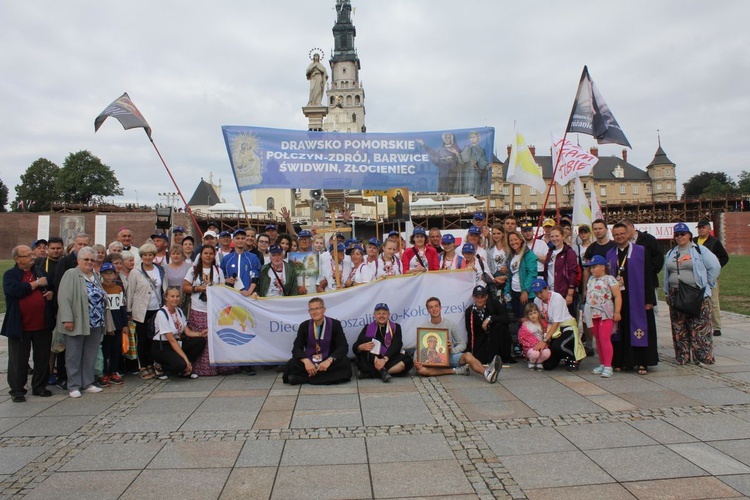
x,y
596,260
474,230
374,241
681,227
468,248
448,238
350,242
160,235
538,285
382,305
480,290
480,215
37,242
178,229
419,230
527,226
239,231
355,247
272,227
304,234
340,236
275,249
394,233
107,266
224,233
340,247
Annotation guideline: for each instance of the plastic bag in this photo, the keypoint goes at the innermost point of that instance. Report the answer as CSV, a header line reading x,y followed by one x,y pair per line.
x,y
58,342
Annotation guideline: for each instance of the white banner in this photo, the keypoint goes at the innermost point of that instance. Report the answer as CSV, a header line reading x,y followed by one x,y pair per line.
x,y
247,331
574,162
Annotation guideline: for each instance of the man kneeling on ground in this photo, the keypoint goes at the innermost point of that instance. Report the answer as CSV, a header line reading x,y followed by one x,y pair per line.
x,y
379,348
320,349
461,363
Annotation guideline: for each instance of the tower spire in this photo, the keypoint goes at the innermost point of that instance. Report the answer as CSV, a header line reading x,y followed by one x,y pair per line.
x,y
344,33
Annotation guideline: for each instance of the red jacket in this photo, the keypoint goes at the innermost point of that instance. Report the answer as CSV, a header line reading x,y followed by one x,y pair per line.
x,y
433,262
567,270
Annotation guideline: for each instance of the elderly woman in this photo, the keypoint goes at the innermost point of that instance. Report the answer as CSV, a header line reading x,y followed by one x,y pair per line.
x,y
128,263
696,266
146,286
80,317
101,252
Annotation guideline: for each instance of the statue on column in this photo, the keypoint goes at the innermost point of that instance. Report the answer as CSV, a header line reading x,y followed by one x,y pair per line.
x,y
318,77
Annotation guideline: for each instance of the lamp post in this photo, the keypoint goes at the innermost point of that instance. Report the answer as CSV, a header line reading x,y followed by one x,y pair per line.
x,y
136,197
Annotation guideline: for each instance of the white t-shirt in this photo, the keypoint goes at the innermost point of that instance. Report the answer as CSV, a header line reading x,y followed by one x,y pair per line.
x,y
540,249
195,302
390,268
327,273
551,269
480,252
273,288
169,323
497,258
515,266
367,271
556,310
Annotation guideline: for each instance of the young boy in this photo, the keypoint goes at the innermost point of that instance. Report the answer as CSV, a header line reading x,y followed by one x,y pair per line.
x,y
112,341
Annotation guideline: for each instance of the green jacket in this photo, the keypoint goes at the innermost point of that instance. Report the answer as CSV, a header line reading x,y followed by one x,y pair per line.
x,y
290,280
73,303
527,272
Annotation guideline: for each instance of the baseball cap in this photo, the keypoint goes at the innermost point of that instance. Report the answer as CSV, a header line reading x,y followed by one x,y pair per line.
x,y
304,234
480,215
448,238
549,223
272,227
239,231
382,305
355,247
39,241
596,260
107,266
538,285
681,227
374,241
474,230
178,229
704,223
393,233
160,235
468,248
584,227
212,234
527,226
480,290
418,230
275,249
340,248
224,233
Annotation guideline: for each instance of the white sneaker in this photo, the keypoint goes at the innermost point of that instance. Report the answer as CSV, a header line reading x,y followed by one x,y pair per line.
x,y
532,365
494,369
92,389
74,394
462,370
598,370
487,374
607,372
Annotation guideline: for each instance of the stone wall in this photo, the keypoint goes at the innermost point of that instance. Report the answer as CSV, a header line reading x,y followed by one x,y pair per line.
x,y
734,232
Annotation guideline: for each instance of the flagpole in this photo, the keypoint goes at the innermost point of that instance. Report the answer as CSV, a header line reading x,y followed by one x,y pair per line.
x,y
187,207
552,181
242,200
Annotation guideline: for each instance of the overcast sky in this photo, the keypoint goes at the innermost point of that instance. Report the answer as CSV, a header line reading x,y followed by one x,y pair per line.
x,y
680,66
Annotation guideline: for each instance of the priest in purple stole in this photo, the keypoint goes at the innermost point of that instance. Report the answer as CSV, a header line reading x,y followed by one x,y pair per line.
x,y
379,348
635,341
319,354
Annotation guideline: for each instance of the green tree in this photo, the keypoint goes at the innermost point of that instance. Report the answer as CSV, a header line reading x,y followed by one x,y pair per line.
x,y
3,196
84,178
717,189
743,184
38,186
700,182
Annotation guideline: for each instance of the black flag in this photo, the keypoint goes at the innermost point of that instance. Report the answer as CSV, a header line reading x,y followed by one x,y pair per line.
x,y
592,116
126,113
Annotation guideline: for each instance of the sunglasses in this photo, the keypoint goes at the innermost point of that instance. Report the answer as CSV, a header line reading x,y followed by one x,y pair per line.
x,y
677,235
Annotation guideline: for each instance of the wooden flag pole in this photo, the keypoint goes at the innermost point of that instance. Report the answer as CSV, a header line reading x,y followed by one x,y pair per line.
x,y
187,207
242,200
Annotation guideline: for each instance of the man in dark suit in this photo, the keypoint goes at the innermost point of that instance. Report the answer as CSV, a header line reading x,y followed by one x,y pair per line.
x,y
714,244
319,351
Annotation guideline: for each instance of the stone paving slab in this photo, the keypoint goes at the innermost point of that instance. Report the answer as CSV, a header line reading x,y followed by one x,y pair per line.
x,y
594,492
644,463
419,479
322,481
563,468
710,459
249,484
48,426
397,449
179,484
261,453
604,436
13,459
711,427
740,483
325,452
84,485
106,457
736,448
528,441
662,431
686,488
196,455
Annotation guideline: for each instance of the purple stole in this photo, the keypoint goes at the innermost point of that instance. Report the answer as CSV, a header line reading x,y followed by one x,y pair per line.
x,y
372,330
636,290
324,343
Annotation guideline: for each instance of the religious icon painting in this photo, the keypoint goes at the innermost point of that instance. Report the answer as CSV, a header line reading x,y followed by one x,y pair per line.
x,y
432,347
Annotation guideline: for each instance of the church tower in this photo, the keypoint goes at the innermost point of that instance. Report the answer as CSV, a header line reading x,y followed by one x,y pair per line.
x,y
345,95
663,176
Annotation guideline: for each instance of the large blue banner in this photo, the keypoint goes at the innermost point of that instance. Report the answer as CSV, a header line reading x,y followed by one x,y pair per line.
x,y
448,161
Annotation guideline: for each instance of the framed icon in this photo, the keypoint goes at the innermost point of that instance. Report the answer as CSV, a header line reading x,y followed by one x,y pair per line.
x,y
432,347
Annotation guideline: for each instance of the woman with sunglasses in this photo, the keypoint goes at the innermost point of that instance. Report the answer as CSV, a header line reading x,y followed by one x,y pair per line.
x,y
691,264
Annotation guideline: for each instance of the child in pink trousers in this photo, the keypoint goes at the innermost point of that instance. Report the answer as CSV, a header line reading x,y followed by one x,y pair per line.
x,y
602,311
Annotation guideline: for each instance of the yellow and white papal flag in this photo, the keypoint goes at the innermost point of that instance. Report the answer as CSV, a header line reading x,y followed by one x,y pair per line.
x,y
522,169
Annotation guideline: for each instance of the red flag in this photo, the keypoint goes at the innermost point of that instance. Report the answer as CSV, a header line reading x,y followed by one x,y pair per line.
x,y
126,113
592,116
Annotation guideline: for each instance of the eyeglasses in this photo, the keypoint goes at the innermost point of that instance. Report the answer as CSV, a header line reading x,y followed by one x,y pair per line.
x,y
677,235
24,256
313,309
88,260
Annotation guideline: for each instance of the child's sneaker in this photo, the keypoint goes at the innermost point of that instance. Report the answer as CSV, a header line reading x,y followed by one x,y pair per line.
x,y
116,379
104,381
607,372
598,370
532,365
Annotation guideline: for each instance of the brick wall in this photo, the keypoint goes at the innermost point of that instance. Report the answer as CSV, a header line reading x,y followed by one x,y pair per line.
x,y
21,228
734,232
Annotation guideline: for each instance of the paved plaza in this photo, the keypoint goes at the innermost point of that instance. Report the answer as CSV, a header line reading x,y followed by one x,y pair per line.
x,y
679,432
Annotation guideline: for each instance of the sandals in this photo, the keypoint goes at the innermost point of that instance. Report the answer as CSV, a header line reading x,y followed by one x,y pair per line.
x,y
642,370
147,373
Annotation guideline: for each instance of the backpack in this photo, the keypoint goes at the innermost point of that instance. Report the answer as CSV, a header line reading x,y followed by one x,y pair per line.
x,y
151,324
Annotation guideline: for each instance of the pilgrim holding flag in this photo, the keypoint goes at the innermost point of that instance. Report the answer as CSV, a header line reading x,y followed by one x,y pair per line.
x,y
320,349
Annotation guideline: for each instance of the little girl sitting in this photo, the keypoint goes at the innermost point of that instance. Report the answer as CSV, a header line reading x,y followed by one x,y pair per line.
x,y
531,337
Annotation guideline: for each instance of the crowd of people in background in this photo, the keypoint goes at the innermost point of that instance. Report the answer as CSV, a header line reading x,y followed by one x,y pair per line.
x,y
92,313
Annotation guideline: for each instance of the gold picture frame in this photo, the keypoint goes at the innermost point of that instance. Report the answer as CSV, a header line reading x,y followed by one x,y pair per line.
x,y
437,355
